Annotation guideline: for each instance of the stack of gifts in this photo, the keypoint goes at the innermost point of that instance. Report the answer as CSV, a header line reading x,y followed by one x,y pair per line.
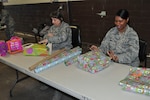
x,y
63,57
12,46
93,61
138,81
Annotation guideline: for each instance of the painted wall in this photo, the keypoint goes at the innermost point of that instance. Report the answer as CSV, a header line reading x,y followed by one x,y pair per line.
x,y
84,14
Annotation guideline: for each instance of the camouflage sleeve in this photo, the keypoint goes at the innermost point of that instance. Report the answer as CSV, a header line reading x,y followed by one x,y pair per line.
x,y
104,47
132,49
4,14
44,30
60,37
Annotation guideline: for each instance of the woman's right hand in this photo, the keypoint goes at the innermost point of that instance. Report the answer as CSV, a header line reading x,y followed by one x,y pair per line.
x,y
93,47
50,35
112,56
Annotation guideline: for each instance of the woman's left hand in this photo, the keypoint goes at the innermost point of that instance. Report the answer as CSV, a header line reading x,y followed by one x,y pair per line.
x,y
45,41
112,56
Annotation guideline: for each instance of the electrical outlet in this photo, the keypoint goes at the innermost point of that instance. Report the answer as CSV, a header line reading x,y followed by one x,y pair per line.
x,y
102,14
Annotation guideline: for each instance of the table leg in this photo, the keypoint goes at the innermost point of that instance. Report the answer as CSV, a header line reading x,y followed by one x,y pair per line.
x,y
16,81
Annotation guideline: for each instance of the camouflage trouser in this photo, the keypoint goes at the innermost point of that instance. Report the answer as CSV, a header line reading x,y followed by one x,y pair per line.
x,y
9,32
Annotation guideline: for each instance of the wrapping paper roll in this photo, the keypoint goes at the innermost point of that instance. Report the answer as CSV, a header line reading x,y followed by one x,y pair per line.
x,y
138,81
71,61
66,55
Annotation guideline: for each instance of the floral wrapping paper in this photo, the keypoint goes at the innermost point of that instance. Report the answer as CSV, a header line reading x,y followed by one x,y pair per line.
x,y
138,81
71,61
93,61
66,55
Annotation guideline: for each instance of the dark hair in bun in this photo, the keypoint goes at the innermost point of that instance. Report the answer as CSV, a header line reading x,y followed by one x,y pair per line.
x,y
123,13
56,14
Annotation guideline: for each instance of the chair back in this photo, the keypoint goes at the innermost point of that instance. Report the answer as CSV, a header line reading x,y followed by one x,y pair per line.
x,y
38,35
143,51
76,36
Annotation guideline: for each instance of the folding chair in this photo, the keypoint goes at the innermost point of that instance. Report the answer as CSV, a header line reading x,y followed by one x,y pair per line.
x,y
76,36
143,52
36,32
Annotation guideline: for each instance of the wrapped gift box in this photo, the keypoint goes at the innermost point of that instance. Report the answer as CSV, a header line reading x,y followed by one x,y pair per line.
x,y
93,61
138,81
14,45
35,50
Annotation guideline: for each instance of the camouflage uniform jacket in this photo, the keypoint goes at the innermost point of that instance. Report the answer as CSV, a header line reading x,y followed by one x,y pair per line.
x,y
62,36
125,46
6,19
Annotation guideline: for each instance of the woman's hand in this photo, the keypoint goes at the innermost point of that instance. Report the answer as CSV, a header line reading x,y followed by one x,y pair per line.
x,y
93,47
50,35
45,41
112,56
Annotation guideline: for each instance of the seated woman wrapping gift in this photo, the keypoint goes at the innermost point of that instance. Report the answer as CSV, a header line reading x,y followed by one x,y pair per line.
x,y
121,42
60,35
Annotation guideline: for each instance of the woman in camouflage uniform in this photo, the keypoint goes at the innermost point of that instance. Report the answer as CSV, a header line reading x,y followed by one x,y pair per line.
x,y
59,34
121,42
7,20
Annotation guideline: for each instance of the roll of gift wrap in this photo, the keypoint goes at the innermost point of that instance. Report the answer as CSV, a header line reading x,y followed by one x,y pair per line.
x,y
71,61
66,55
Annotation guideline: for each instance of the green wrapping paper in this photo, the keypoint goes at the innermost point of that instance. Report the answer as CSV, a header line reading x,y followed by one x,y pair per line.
x,y
138,81
36,50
